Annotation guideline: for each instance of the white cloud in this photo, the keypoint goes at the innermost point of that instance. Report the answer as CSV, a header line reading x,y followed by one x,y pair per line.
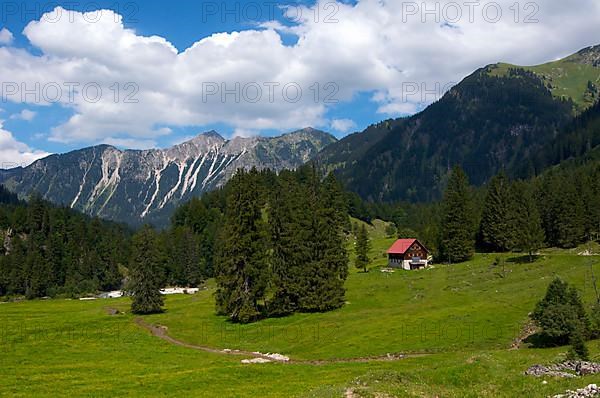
x,y
25,114
244,133
369,49
14,153
343,125
6,36
129,143
398,108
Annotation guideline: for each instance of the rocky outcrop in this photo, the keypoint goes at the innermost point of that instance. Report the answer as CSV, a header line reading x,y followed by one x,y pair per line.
x,y
565,369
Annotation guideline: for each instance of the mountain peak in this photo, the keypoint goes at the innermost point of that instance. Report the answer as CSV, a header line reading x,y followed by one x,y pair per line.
x,y
212,134
208,138
311,132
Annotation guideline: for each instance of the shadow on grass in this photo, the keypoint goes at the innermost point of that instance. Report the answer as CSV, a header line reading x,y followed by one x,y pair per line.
x,y
542,340
523,259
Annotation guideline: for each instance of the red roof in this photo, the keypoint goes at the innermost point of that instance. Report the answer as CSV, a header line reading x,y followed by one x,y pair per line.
x,y
401,246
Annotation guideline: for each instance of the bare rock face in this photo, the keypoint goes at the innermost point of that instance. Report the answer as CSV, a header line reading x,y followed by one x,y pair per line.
x,y
589,56
136,187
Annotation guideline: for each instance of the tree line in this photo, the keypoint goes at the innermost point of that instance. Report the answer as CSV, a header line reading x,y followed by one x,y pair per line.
x,y
49,251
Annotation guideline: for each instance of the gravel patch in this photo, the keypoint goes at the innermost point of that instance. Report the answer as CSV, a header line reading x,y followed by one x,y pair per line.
x,y
565,369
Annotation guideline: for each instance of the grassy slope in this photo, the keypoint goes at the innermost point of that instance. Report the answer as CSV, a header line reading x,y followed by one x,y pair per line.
x,y
466,315
567,78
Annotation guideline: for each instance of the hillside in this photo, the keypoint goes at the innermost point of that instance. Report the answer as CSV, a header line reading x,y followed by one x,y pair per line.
x,y
500,117
408,159
145,186
576,77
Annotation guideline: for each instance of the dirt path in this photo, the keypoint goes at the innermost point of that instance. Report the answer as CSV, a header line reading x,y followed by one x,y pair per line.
x,y
527,330
162,333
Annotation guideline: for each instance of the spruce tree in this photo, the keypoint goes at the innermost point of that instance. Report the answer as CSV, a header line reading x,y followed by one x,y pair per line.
x,y
457,236
571,223
242,263
363,245
529,235
145,273
498,220
289,238
327,267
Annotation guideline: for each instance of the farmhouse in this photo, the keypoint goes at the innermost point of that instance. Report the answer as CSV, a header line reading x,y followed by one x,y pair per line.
x,y
408,254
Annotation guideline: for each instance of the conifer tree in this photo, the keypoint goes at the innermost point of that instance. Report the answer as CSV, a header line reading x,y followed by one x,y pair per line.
x,y
363,245
242,262
529,235
498,220
571,224
457,235
145,273
289,238
327,268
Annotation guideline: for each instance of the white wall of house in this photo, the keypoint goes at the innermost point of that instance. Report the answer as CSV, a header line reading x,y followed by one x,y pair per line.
x,y
405,264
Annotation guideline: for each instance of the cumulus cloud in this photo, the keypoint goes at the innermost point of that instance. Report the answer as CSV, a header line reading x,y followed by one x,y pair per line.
x,y
25,114
6,36
130,86
343,125
14,153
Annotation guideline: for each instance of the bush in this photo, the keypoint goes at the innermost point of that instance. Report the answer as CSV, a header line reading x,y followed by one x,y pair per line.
x,y
560,314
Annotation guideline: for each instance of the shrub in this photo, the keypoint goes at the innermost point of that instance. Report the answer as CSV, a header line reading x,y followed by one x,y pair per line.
x,y
560,313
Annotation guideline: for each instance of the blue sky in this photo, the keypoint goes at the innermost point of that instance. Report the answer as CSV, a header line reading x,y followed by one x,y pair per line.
x,y
376,59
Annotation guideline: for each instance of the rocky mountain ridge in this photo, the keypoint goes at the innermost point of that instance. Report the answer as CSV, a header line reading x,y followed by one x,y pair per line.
x,y
139,186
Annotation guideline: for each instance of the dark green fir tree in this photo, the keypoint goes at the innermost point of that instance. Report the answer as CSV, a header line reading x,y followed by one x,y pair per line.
x,y
529,235
498,226
146,273
242,262
457,235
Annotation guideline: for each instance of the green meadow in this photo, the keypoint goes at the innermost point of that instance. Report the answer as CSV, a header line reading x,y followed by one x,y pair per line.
x,y
454,323
566,78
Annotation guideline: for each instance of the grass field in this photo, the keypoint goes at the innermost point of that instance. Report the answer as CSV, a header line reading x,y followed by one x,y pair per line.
x,y
463,317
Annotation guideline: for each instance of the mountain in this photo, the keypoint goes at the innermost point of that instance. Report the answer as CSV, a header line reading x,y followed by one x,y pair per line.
x,y
136,186
499,117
